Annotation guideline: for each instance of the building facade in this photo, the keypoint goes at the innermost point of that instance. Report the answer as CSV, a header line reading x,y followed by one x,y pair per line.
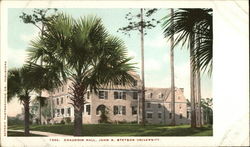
x,y
121,103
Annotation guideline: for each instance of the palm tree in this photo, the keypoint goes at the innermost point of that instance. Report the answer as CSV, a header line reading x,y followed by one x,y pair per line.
x,y
20,85
142,69
39,18
172,74
188,23
84,52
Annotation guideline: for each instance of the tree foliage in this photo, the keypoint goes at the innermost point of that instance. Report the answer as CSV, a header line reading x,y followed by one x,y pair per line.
x,y
135,23
189,22
82,51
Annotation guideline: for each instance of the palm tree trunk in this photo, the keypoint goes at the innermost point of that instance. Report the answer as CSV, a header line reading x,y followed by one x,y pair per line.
x,y
78,102
199,86
26,117
142,70
172,74
77,122
40,93
40,111
192,93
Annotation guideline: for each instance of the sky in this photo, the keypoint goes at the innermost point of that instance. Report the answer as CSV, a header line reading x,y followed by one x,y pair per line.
x,y
156,53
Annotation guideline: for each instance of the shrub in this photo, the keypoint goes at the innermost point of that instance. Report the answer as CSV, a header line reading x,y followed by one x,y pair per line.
x,y
62,122
67,120
103,117
14,121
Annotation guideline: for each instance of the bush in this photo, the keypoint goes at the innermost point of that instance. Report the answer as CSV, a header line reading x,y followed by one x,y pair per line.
x,y
67,120
15,121
62,122
103,117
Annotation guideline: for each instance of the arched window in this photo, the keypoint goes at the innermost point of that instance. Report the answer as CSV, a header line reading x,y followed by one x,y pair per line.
x,y
100,109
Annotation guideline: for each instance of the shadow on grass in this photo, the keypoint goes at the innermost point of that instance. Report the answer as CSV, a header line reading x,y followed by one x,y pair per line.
x,y
20,134
124,130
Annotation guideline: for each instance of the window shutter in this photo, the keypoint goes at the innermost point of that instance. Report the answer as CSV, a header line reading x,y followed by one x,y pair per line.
x,y
124,95
135,95
115,110
106,94
99,94
116,95
124,110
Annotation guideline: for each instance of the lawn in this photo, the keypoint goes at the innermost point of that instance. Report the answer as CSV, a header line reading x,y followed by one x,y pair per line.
x,y
123,130
14,133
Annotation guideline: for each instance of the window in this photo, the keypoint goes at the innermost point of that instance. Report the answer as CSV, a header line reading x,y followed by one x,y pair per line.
x,y
58,112
62,112
159,105
69,112
120,110
103,94
159,114
134,110
88,109
187,114
120,95
151,95
123,110
148,105
180,116
179,97
88,93
62,89
62,100
161,95
135,95
170,115
149,115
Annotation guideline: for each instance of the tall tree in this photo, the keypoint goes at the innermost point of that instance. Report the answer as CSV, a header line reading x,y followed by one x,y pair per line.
x,y
140,22
207,106
20,85
39,18
185,29
172,73
84,52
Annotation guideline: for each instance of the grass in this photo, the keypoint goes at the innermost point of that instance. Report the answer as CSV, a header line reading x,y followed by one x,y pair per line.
x,y
123,130
13,133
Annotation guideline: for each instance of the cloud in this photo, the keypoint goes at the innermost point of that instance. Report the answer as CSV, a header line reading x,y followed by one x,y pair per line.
x,y
132,53
157,42
152,65
28,37
166,57
16,57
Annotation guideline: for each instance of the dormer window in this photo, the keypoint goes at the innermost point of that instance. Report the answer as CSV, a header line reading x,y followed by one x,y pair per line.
x,y
161,95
